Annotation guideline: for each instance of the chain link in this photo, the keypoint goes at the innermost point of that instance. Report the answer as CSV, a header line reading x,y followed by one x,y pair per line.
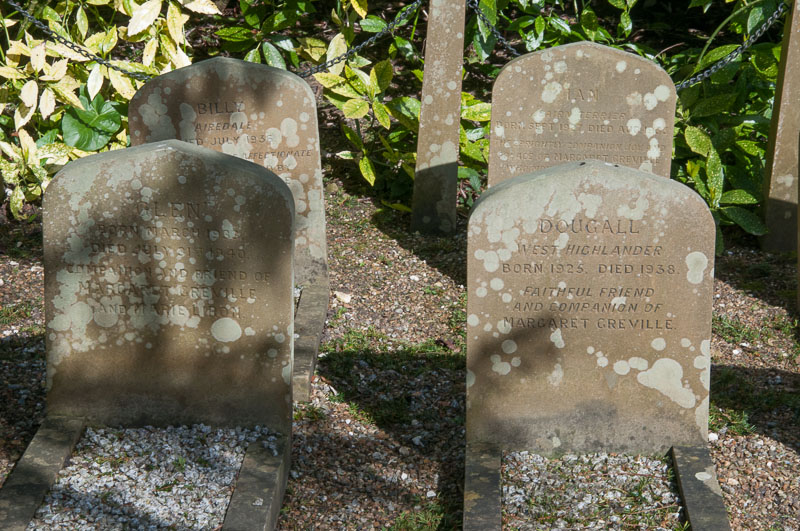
x,y
782,7
722,63
474,4
401,16
72,46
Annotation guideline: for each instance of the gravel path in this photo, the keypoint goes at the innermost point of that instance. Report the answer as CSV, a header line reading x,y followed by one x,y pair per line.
x,y
381,442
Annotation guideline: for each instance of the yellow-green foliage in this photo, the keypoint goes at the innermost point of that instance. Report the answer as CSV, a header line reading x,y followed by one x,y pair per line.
x,y
43,79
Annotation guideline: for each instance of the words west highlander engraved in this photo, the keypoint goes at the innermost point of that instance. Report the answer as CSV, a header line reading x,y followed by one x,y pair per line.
x,y
589,312
580,101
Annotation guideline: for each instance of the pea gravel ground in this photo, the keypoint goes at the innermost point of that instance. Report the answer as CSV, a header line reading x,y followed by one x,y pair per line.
x,y
381,442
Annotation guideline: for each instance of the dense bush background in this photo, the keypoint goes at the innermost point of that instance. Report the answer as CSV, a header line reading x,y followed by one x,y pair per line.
x,y
57,105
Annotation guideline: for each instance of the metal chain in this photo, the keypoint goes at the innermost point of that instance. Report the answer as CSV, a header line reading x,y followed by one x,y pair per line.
x,y
705,74
401,16
782,7
72,46
502,40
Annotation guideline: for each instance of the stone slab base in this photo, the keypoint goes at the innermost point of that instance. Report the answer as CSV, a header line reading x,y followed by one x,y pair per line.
x,y
309,323
482,489
700,491
36,471
258,495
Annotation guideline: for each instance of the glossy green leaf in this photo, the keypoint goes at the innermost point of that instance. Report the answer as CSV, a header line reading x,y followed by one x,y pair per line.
x,y
381,114
92,128
253,56
367,170
715,176
406,111
353,137
738,197
16,202
480,112
372,24
747,220
714,105
355,108
272,56
381,75
698,140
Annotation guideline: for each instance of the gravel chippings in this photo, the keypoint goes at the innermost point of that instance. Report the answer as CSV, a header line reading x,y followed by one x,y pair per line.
x,y
590,491
176,477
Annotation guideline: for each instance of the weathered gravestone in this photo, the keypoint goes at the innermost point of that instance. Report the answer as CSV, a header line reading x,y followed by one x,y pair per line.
x,y
581,101
269,117
436,175
589,320
169,300
783,170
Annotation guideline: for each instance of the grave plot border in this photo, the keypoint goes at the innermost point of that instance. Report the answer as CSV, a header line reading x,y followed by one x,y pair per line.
x,y
255,503
310,273
258,489
692,464
701,496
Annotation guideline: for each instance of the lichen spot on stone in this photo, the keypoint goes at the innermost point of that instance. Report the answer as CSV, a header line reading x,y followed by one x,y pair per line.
x,y
636,212
516,361
650,101
665,377
703,476
634,99
785,180
551,92
560,67
503,326
616,302
686,342
473,320
555,377
470,378
621,66
696,262
556,338
634,126
661,93
705,347
496,284
640,364
286,373
658,344
509,346
622,368
575,116
499,366
226,330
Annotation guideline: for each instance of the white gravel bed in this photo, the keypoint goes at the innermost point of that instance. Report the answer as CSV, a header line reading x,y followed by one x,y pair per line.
x,y
592,491
149,478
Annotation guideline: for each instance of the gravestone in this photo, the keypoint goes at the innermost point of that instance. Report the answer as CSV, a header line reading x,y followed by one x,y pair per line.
x,y
169,294
269,117
436,174
169,300
783,150
581,101
589,319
